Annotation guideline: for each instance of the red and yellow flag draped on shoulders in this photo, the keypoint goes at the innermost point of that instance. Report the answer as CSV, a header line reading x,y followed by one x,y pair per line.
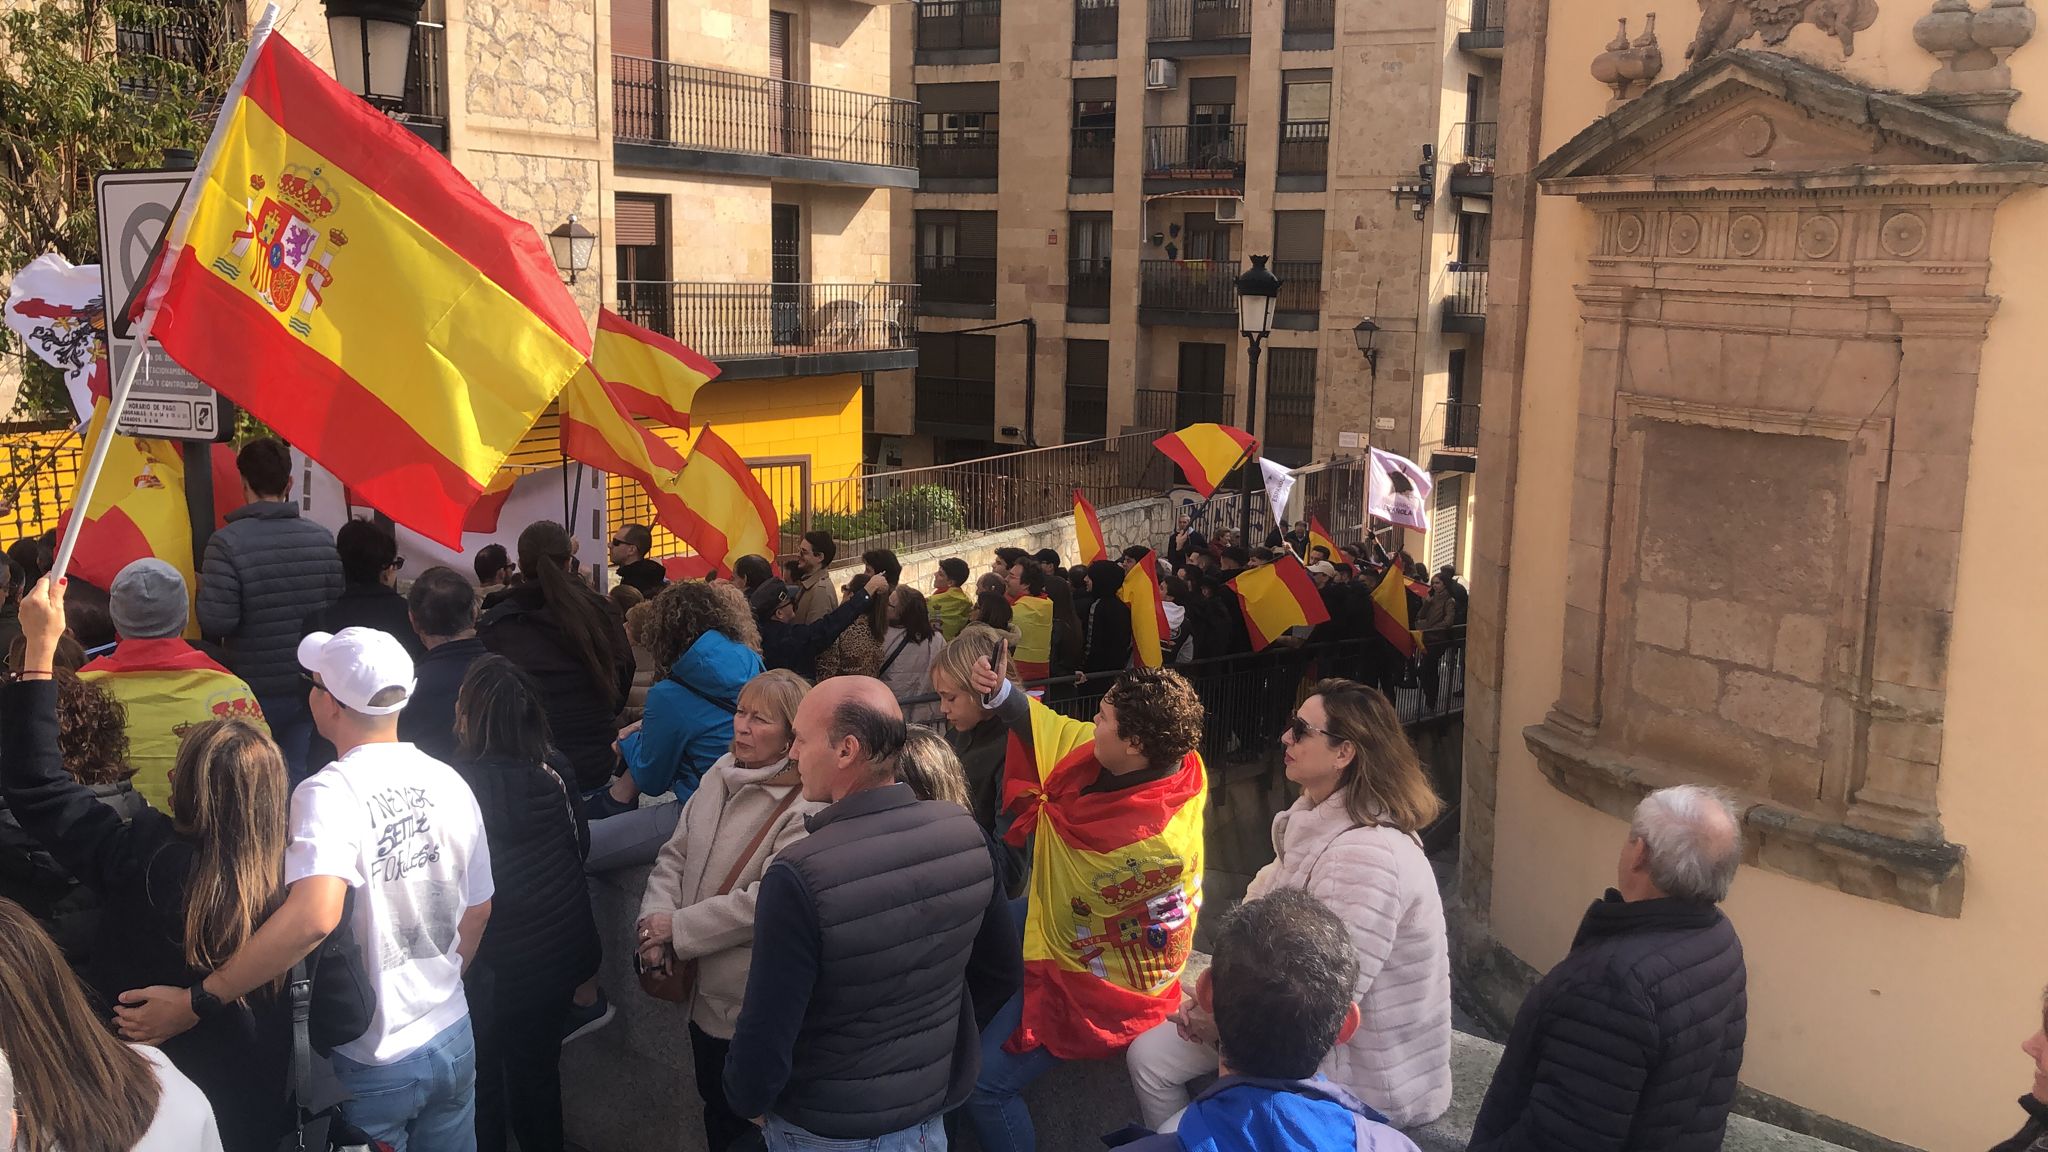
x,y
1116,882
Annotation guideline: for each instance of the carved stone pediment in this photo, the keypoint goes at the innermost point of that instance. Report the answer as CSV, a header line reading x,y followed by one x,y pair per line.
x,y
1765,118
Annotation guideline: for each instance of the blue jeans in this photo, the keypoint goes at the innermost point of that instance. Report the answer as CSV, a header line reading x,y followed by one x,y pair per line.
x,y
782,1136
291,725
425,1102
996,1110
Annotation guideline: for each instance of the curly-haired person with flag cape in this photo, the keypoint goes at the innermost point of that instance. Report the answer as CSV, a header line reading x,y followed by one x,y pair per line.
x,y
1113,810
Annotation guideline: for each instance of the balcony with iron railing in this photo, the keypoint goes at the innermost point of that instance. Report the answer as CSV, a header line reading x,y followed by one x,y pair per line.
x,y
959,31
1465,300
689,118
1165,409
1088,284
1199,153
1202,293
1094,154
956,280
1487,36
948,154
789,329
1094,29
954,407
1301,287
426,78
1476,142
1457,426
1217,25
1304,150
1311,24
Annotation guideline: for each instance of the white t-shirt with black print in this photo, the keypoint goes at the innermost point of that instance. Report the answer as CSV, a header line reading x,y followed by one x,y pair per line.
x,y
404,831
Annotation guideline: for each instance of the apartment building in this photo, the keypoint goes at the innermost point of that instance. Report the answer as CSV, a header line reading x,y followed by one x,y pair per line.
x,y
1104,168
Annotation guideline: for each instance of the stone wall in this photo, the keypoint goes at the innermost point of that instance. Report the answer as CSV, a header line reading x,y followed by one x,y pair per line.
x,y
530,64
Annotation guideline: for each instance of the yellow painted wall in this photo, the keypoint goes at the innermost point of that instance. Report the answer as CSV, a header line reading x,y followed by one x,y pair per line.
x,y
1901,1023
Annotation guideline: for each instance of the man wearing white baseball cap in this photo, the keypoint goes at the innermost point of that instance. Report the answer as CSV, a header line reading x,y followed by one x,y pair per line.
x,y
402,831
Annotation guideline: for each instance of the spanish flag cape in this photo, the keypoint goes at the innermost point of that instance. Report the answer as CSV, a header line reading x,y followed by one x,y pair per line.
x,y
1116,881
1032,618
950,611
168,686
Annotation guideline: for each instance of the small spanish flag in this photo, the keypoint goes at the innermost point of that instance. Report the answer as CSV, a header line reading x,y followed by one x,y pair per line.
x,y
1206,453
336,276
1149,630
1319,537
596,430
1277,597
732,514
652,375
1390,612
138,509
1088,531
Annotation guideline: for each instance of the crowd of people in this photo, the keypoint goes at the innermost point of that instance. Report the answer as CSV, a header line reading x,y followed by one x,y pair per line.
x,y
894,879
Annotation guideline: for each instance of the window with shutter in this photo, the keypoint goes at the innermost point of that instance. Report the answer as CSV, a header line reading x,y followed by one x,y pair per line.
x,y
1297,236
636,28
1448,498
1287,428
779,46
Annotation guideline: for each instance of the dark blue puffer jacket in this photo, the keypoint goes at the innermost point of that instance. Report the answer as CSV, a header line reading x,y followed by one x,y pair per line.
x,y
265,574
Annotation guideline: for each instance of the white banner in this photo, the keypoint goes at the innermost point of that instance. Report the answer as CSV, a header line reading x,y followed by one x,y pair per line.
x,y
1279,482
1397,491
55,308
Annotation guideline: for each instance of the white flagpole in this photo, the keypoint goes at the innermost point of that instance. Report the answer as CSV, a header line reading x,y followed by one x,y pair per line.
x,y
174,239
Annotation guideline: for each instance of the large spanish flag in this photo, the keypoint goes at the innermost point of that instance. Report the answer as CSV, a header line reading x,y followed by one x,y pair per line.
x,y
731,513
1277,597
1206,453
167,687
1116,883
1390,612
1088,531
1319,537
652,375
1149,630
337,277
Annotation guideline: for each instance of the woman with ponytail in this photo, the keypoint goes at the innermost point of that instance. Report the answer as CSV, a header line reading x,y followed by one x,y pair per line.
x,y
180,892
572,641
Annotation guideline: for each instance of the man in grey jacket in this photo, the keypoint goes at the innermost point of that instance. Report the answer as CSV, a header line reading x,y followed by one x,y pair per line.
x,y
265,572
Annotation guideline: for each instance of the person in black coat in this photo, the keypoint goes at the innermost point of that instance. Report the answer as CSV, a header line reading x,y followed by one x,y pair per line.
x,y
541,941
785,643
442,606
2033,1135
1108,621
1634,1041
222,843
369,593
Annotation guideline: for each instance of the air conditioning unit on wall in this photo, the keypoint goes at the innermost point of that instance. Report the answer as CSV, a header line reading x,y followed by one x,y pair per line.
x,y
1230,211
1161,75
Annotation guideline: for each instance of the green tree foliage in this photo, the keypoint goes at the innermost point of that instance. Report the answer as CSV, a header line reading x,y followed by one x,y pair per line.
x,y
87,86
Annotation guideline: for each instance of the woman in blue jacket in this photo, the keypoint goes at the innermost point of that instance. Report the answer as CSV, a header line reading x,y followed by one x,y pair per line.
x,y
704,634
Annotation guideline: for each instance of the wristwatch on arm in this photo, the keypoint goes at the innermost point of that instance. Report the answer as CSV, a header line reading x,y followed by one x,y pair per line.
x,y
204,1004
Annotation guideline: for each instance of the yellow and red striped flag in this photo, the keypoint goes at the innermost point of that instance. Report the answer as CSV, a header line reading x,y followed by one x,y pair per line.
x,y
138,509
337,277
1319,537
652,375
483,515
732,513
1149,629
1031,616
1206,453
167,686
1278,597
1390,612
1088,531
596,430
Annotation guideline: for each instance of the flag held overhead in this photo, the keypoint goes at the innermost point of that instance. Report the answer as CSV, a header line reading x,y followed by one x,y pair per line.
x,y
1319,537
1088,531
1278,597
732,513
652,375
1149,629
1206,453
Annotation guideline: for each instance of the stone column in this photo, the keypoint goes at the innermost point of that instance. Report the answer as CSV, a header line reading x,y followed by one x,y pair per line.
x,y
1602,313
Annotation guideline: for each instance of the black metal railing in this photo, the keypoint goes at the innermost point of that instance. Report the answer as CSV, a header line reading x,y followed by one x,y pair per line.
x,y
1094,153
956,279
1199,19
1304,146
1088,282
1311,15
1095,21
1479,138
951,25
724,320
908,507
1188,285
1467,295
957,154
1489,15
1087,411
1165,409
687,106
1301,285
1195,151
1461,425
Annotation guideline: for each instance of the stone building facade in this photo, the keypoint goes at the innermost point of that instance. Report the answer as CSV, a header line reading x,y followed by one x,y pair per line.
x,y
1763,337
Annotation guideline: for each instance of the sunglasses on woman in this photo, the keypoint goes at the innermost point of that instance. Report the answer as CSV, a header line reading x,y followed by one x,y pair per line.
x,y
1298,729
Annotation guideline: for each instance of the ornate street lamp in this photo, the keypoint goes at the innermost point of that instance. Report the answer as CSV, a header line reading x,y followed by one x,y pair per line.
x,y
372,41
572,245
1258,296
1367,335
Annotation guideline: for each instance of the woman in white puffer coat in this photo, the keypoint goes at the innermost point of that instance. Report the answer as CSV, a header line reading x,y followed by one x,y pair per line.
x,y
1351,840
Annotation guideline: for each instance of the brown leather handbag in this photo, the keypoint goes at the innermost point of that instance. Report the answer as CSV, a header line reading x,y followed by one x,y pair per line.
x,y
677,982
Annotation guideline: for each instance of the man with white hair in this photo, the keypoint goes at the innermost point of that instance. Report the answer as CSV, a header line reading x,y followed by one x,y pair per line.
x,y
1634,1040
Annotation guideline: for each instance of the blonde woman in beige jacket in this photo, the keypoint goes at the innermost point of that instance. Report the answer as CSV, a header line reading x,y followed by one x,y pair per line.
x,y
684,916
1352,841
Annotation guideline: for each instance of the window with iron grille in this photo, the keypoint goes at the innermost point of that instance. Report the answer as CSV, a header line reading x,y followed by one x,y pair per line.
x,y
1288,429
1087,389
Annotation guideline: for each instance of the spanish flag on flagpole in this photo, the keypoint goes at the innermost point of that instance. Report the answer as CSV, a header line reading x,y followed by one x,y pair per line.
x,y
596,430
483,515
1149,630
337,277
652,375
1278,597
1319,537
1088,531
1206,453
1390,612
732,513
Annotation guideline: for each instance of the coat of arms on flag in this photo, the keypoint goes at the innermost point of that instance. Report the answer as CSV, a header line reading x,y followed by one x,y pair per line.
x,y
283,234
